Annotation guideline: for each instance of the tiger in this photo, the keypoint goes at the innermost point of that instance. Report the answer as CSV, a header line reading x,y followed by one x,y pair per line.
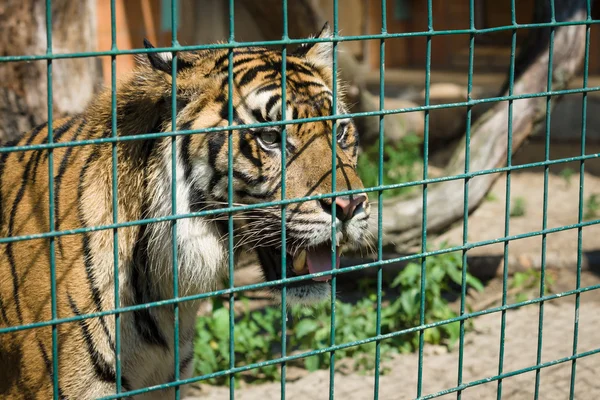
x,y
83,254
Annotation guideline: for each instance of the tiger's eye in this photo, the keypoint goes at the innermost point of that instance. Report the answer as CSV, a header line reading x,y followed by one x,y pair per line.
x,y
269,137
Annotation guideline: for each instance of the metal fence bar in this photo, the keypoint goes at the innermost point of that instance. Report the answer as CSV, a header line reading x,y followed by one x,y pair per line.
x,y
581,199
181,132
174,243
115,194
230,227
424,219
51,207
349,38
12,239
284,312
545,202
465,237
334,112
509,141
339,347
380,196
339,271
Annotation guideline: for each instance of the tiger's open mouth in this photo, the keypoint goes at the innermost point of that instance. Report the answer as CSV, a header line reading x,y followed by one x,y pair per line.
x,y
305,261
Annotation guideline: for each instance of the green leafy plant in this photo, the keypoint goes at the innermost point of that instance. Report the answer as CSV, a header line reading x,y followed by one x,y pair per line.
x,y
490,196
402,162
566,174
518,207
592,206
258,333
524,282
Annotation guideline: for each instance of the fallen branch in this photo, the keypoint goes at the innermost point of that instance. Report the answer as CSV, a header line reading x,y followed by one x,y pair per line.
x,y
402,219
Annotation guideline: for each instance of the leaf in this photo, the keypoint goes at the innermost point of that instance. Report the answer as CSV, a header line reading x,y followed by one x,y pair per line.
x,y
305,327
221,323
475,283
311,363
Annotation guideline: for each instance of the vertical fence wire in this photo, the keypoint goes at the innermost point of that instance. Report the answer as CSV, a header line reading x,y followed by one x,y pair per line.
x,y
545,203
584,102
230,228
334,112
51,205
284,36
174,243
465,238
425,175
115,194
380,196
509,140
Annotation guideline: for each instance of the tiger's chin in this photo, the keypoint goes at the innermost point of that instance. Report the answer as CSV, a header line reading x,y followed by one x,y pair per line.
x,y
311,260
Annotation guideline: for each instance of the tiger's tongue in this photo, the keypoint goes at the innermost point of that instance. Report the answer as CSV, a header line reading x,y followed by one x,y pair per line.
x,y
319,260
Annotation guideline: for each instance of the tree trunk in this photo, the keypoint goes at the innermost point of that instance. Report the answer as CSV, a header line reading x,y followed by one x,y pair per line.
x,y
304,20
23,85
403,216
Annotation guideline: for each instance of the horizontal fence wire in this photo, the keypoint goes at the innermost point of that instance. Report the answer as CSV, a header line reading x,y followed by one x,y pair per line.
x,y
380,263
348,38
157,135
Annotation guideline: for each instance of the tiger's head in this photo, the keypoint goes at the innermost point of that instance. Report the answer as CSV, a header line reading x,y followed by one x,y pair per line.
x,y
202,102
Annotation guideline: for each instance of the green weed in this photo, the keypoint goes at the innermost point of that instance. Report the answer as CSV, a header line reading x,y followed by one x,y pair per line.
x,y
592,206
258,333
518,207
402,162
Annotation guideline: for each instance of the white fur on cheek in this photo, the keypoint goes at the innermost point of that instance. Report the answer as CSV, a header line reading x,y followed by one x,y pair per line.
x,y
201,255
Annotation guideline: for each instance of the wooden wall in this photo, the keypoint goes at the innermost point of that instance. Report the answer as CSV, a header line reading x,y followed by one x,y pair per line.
x,y
205,21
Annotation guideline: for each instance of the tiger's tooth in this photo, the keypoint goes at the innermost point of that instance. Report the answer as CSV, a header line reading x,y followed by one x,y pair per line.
x,y
299,261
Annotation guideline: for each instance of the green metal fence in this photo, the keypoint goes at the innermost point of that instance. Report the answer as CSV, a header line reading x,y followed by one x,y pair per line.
x,y
286,41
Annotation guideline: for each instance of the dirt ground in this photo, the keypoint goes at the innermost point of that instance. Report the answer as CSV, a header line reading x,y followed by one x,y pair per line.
x,y
481,355
482,344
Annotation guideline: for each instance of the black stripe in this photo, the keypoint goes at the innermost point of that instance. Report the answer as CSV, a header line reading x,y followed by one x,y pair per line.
x,y
3,158
246,150
249,180
89,270
145,323
3,313
60,131
89,267
36,162
185,151
269,88
251,73
308,84
196,199
32,135
224,113
49,368
183,364
103,370
258,115
215,142
271,103
9,246
258,196
58,181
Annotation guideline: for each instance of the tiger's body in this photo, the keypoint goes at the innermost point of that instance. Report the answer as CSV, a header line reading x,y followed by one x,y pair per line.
x,y
83,198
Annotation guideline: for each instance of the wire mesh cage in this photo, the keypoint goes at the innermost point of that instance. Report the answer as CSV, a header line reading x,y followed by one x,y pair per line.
x,y
174,134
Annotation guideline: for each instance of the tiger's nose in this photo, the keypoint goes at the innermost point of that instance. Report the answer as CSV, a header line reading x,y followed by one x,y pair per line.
x,y
346,206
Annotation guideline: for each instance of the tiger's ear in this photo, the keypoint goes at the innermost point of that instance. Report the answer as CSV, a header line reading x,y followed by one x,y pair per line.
x,y
318,53
164,61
